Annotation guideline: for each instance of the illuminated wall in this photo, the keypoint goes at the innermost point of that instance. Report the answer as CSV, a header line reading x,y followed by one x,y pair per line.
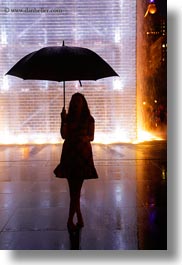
x,y
30,110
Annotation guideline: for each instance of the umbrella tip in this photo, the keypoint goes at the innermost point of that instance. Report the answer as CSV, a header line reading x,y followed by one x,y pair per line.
x,y
63,43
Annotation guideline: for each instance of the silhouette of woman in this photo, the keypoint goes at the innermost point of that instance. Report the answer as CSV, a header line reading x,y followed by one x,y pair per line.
x,y
76,163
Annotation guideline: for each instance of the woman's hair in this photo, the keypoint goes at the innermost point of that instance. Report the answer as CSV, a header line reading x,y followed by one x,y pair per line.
x,y
85,112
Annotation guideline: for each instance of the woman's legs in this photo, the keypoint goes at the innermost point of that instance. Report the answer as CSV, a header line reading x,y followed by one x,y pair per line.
x,y
78,210
75,192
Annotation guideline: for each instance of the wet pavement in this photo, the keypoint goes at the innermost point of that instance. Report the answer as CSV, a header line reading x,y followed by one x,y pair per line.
x,y
125,209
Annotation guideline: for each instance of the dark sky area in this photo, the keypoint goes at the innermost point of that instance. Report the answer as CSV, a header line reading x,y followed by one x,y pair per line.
x,y
161,7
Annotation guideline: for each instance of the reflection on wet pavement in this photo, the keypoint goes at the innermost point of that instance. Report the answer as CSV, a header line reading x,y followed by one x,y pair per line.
x,y
125,209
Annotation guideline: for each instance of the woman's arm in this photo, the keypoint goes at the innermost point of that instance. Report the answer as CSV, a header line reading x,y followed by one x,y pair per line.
x,y
91,129
63,129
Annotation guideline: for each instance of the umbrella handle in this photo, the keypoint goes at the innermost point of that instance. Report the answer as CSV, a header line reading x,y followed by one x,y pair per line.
x,y
64,94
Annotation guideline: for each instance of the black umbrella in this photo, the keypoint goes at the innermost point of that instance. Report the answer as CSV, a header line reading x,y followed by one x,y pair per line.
x,y
62,63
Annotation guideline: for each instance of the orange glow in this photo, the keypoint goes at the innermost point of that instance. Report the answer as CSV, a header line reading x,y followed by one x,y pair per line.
x,y
119,136
144,136
25,150
152,9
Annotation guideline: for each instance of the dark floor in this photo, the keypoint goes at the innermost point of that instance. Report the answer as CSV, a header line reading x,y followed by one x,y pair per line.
x,y
125,209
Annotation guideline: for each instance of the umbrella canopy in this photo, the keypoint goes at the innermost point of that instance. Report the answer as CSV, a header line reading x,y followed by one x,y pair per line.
x,y
62,63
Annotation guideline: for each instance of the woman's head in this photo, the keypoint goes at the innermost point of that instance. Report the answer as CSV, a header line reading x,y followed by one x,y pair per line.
x,y
78,107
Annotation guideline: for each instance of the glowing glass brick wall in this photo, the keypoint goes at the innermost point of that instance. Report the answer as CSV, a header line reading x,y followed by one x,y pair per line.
x,y
30,110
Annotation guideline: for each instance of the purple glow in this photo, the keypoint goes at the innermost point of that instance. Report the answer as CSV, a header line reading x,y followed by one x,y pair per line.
x,y
151,1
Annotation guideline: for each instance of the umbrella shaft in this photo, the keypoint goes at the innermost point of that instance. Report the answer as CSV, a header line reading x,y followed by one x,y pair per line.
x,y
64,94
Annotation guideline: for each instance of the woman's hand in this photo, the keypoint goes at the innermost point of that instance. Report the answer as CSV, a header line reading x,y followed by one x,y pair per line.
x,y
63,114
